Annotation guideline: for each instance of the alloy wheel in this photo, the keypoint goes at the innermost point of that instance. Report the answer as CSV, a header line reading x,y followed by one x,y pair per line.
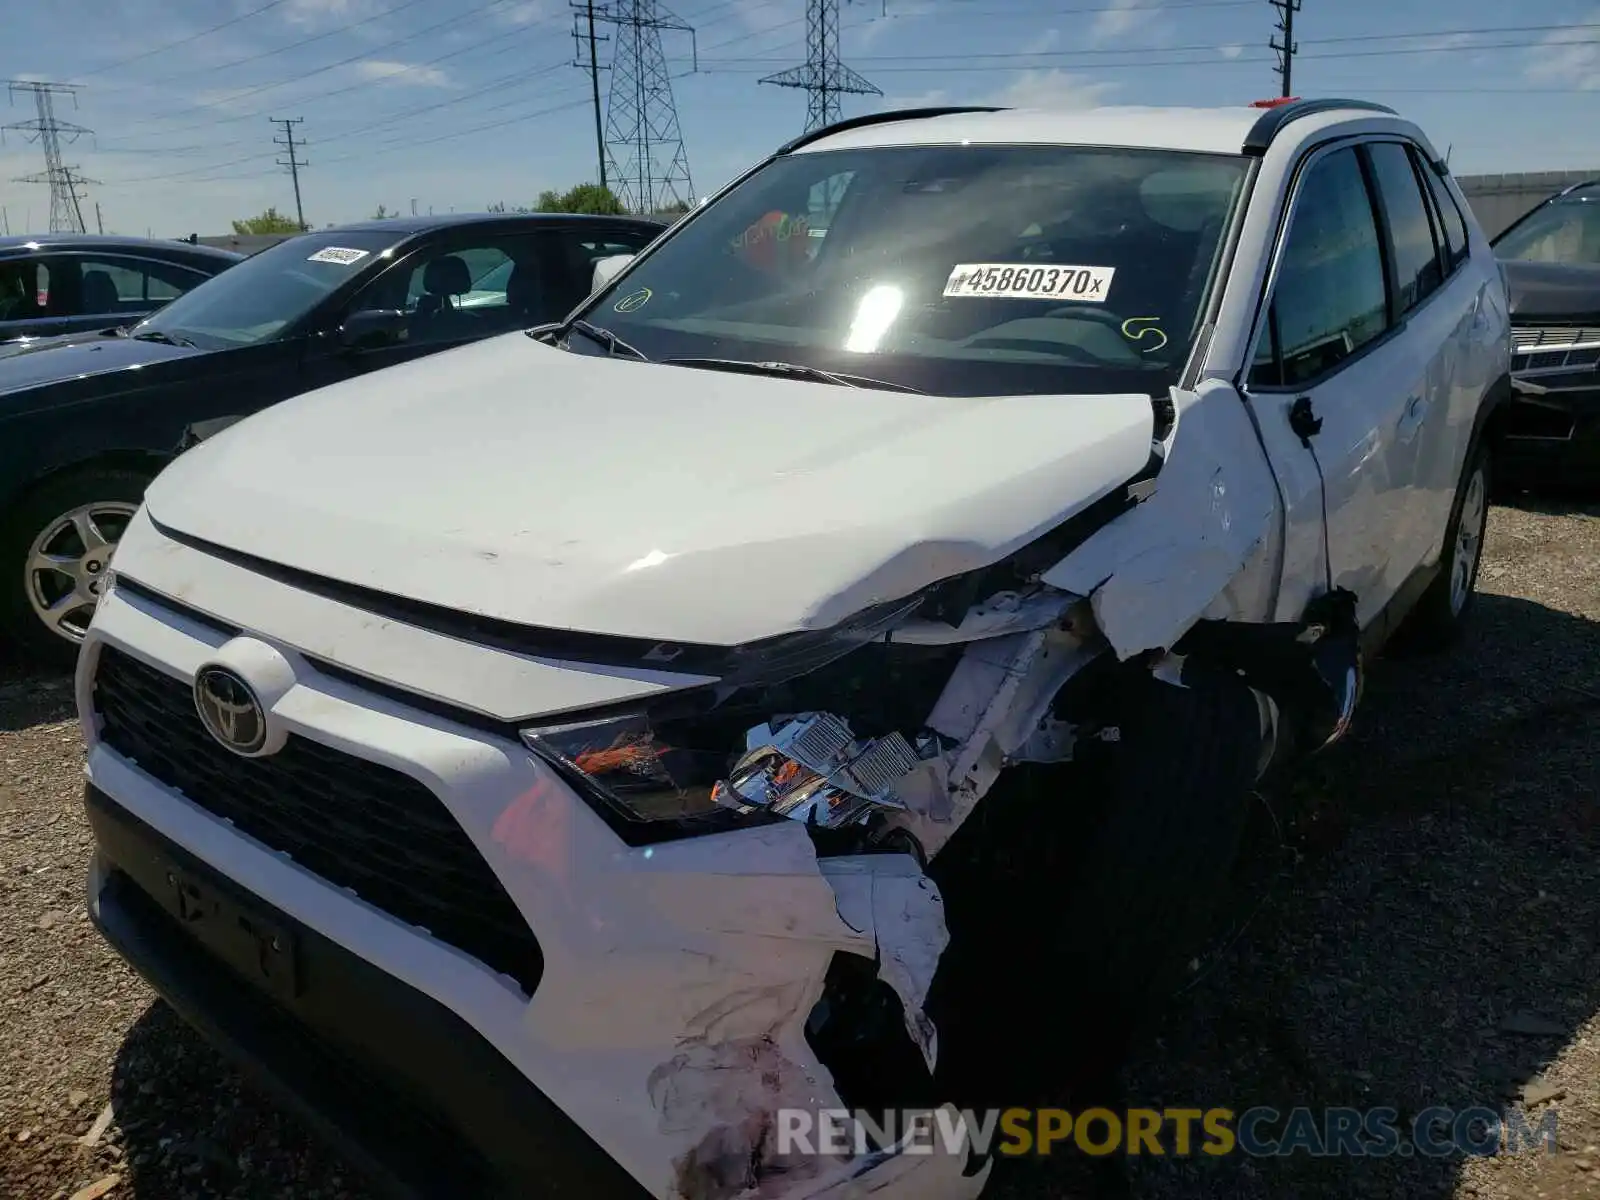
x,y
65,570
1469,541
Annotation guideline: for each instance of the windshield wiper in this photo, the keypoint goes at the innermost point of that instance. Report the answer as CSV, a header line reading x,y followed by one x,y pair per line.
x,y
166,339
792,371
612,343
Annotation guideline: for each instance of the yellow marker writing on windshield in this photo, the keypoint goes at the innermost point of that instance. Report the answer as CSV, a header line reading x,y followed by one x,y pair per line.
x,y
1144,334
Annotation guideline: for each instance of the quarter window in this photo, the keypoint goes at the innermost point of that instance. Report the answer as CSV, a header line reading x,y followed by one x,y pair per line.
x,y
1455,226
1330,298
1416,256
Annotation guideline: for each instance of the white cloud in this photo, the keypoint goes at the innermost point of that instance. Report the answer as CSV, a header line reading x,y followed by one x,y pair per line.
x,y
1445,41
1121,17
764,15
928,99
1233,51
1563,58
379,70
525,13
1052,89
317,13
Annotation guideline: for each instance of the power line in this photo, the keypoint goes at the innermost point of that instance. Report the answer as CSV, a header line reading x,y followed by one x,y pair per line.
x,y
1288,48
66,211
183,41
824,77
294,164
365,53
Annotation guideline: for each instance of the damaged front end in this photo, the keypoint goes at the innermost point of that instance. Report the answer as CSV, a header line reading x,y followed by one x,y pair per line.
x,y
878,747
879,738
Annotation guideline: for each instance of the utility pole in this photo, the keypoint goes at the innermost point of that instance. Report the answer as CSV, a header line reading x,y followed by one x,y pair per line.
x,y
99,221
823,76
294,164
587,9
66,214
1288,48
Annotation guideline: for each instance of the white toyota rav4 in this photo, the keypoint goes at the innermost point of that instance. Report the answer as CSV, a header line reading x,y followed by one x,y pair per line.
x,y
828,671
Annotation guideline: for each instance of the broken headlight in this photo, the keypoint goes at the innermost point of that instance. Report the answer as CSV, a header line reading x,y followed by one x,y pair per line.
x,y
688,776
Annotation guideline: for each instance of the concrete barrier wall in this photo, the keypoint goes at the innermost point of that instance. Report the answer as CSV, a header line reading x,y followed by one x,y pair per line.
x,y
1498,200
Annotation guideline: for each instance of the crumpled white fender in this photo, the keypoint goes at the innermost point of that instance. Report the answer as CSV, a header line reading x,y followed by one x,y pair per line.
x,y
889,898
1154,571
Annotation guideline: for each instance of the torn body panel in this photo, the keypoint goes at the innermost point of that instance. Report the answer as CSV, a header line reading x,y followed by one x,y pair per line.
x,y
1213,513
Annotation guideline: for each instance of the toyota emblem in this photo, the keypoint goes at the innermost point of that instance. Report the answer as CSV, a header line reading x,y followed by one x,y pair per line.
x,y
230,711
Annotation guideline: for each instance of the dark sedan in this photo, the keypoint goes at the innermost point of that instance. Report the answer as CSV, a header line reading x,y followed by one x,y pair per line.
x,y
59,283
86,421
1552,260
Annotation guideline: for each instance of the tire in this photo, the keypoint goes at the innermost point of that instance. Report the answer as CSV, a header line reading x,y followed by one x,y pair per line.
x,y
1060,977
51,518
1441,612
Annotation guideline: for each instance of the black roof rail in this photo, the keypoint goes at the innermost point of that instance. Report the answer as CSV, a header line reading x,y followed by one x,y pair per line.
x,y
1274,119
880,118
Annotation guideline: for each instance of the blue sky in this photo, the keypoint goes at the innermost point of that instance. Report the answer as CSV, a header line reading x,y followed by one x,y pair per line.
x,y
462,103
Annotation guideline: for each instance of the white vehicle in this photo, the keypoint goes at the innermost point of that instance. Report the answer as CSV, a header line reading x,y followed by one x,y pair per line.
x,y
557,757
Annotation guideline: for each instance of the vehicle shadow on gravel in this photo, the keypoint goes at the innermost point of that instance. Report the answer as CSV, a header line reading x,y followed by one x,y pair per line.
x,y
1432,936
192,1126
30,696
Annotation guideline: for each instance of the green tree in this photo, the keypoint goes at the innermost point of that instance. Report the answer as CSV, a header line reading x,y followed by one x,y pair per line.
x,y
676,209
585,198
383,214
271,221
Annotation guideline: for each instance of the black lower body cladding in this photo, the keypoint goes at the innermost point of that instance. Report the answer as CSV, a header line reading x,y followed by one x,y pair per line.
x,y
400,1084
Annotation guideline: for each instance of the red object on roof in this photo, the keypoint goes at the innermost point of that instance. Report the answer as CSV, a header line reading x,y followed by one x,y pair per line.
x,y
1274,103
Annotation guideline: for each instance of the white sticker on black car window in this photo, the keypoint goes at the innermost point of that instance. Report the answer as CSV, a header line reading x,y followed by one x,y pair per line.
x,y
1025,281
338,254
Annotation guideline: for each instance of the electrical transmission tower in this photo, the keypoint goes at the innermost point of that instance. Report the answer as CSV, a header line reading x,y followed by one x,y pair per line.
x,y
649,167
292,162
66,203
824,77
1287,48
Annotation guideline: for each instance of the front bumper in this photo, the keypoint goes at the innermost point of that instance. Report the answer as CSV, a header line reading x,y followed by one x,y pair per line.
x,y
669,1017
1551,432
399,1083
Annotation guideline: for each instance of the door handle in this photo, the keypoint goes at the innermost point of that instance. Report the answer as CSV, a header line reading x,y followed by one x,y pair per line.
x,y
1416,412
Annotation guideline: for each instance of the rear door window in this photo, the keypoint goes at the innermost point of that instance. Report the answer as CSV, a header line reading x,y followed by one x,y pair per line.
x,y
24,285
1416,254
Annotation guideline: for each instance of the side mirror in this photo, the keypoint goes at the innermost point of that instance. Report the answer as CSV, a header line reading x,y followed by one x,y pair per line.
x,y
372,329
608,269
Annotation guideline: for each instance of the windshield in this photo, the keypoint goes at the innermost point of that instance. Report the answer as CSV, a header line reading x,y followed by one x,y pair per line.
x,y
258,298
955,270
1564,231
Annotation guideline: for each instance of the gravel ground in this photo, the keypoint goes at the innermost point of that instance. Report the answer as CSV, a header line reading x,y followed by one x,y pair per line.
x,y
1435,888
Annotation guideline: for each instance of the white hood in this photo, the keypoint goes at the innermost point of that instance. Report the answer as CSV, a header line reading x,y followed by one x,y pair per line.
x,y
515,480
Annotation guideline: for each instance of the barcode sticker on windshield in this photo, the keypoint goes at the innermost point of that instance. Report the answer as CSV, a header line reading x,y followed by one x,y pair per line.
x,y
337,254
1023,281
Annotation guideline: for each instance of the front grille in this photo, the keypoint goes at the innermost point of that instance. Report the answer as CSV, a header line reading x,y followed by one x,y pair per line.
x,y
1556,347
357,824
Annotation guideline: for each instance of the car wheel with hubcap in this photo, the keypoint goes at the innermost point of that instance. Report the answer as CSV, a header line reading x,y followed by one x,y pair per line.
x,y
1441,612
55,552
